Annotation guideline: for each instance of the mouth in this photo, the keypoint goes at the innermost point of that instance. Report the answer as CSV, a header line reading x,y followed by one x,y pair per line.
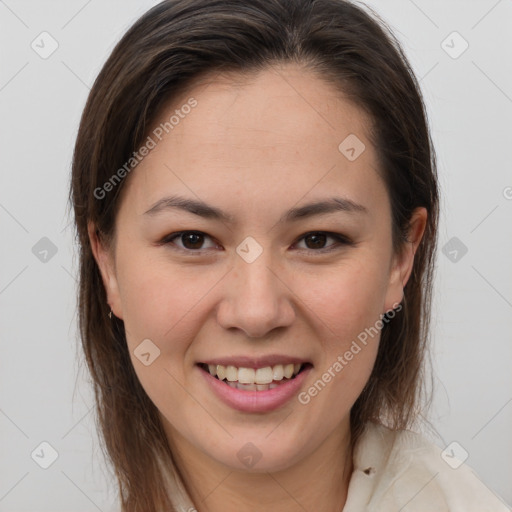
x,y
255,379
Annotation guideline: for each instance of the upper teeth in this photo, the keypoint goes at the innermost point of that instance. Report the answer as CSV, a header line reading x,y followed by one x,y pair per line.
x,y
251,376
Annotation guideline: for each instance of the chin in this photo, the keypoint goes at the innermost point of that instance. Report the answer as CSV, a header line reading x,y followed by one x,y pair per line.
x,y
252,458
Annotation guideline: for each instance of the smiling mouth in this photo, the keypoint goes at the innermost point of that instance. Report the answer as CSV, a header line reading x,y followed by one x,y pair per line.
x,y
255,379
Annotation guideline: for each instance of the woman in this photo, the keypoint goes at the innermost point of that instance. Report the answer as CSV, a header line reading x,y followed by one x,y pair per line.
x,y
256,203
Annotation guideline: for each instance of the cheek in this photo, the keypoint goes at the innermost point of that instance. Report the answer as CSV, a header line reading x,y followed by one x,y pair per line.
x,y
161,302
347,308
346,299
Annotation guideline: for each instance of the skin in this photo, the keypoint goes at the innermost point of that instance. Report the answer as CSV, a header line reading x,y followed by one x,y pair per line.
x,y
256,148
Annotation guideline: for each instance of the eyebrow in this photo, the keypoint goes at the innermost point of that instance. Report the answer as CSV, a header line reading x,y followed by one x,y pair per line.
x,y
202,209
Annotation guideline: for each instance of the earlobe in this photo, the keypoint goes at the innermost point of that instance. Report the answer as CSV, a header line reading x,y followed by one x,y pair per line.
x,y
404,261
104,260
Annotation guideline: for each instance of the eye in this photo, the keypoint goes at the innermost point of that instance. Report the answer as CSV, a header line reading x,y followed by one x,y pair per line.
x,y
315,241
191,241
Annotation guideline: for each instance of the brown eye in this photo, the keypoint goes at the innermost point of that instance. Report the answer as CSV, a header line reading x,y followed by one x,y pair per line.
x,y
191,241
315,240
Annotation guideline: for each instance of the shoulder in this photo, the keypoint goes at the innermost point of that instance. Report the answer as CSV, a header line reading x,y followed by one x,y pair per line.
x,y
403,470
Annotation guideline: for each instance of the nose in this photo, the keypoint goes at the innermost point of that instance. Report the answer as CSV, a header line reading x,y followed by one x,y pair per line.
x,y
256,299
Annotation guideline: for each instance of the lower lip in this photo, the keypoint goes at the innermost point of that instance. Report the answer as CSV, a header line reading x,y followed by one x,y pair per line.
x,y
256,401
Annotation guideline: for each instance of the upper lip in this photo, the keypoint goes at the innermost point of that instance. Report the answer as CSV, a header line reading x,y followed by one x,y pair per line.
x,y
255,362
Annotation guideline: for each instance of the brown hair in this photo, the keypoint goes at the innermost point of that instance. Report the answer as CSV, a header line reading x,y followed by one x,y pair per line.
x,y
174,43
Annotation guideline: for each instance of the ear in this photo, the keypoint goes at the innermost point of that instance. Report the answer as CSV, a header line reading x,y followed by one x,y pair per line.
x,y
403,261
105,260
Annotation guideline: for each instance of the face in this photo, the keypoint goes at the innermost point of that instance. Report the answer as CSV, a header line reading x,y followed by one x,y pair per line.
x,y
221,262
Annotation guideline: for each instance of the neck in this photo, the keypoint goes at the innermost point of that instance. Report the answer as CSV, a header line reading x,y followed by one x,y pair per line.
x,y
317,482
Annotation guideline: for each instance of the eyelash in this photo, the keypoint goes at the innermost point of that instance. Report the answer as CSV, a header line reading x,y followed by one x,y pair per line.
x,y
342,240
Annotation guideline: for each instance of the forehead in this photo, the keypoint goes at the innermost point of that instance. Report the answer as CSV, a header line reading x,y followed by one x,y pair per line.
x,y
277,130
282,106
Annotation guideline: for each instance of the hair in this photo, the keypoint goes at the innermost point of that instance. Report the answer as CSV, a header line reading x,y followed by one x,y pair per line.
x,y
158,58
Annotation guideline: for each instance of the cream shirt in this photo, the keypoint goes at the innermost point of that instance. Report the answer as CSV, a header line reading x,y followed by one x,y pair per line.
x,y
399,471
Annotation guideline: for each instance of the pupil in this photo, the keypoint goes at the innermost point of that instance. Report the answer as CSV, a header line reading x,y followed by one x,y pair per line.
x,y
194,240
318,240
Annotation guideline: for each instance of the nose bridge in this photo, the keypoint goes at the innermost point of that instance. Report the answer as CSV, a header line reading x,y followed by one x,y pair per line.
x,y
256,300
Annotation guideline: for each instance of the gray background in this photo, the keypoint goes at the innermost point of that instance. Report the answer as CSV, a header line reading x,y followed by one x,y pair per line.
x,y
469,98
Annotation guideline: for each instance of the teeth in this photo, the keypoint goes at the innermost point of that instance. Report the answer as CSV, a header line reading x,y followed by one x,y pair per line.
x,y
288,370
219,369
253,387
231,373
246,387
247,376
263,377
278,372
